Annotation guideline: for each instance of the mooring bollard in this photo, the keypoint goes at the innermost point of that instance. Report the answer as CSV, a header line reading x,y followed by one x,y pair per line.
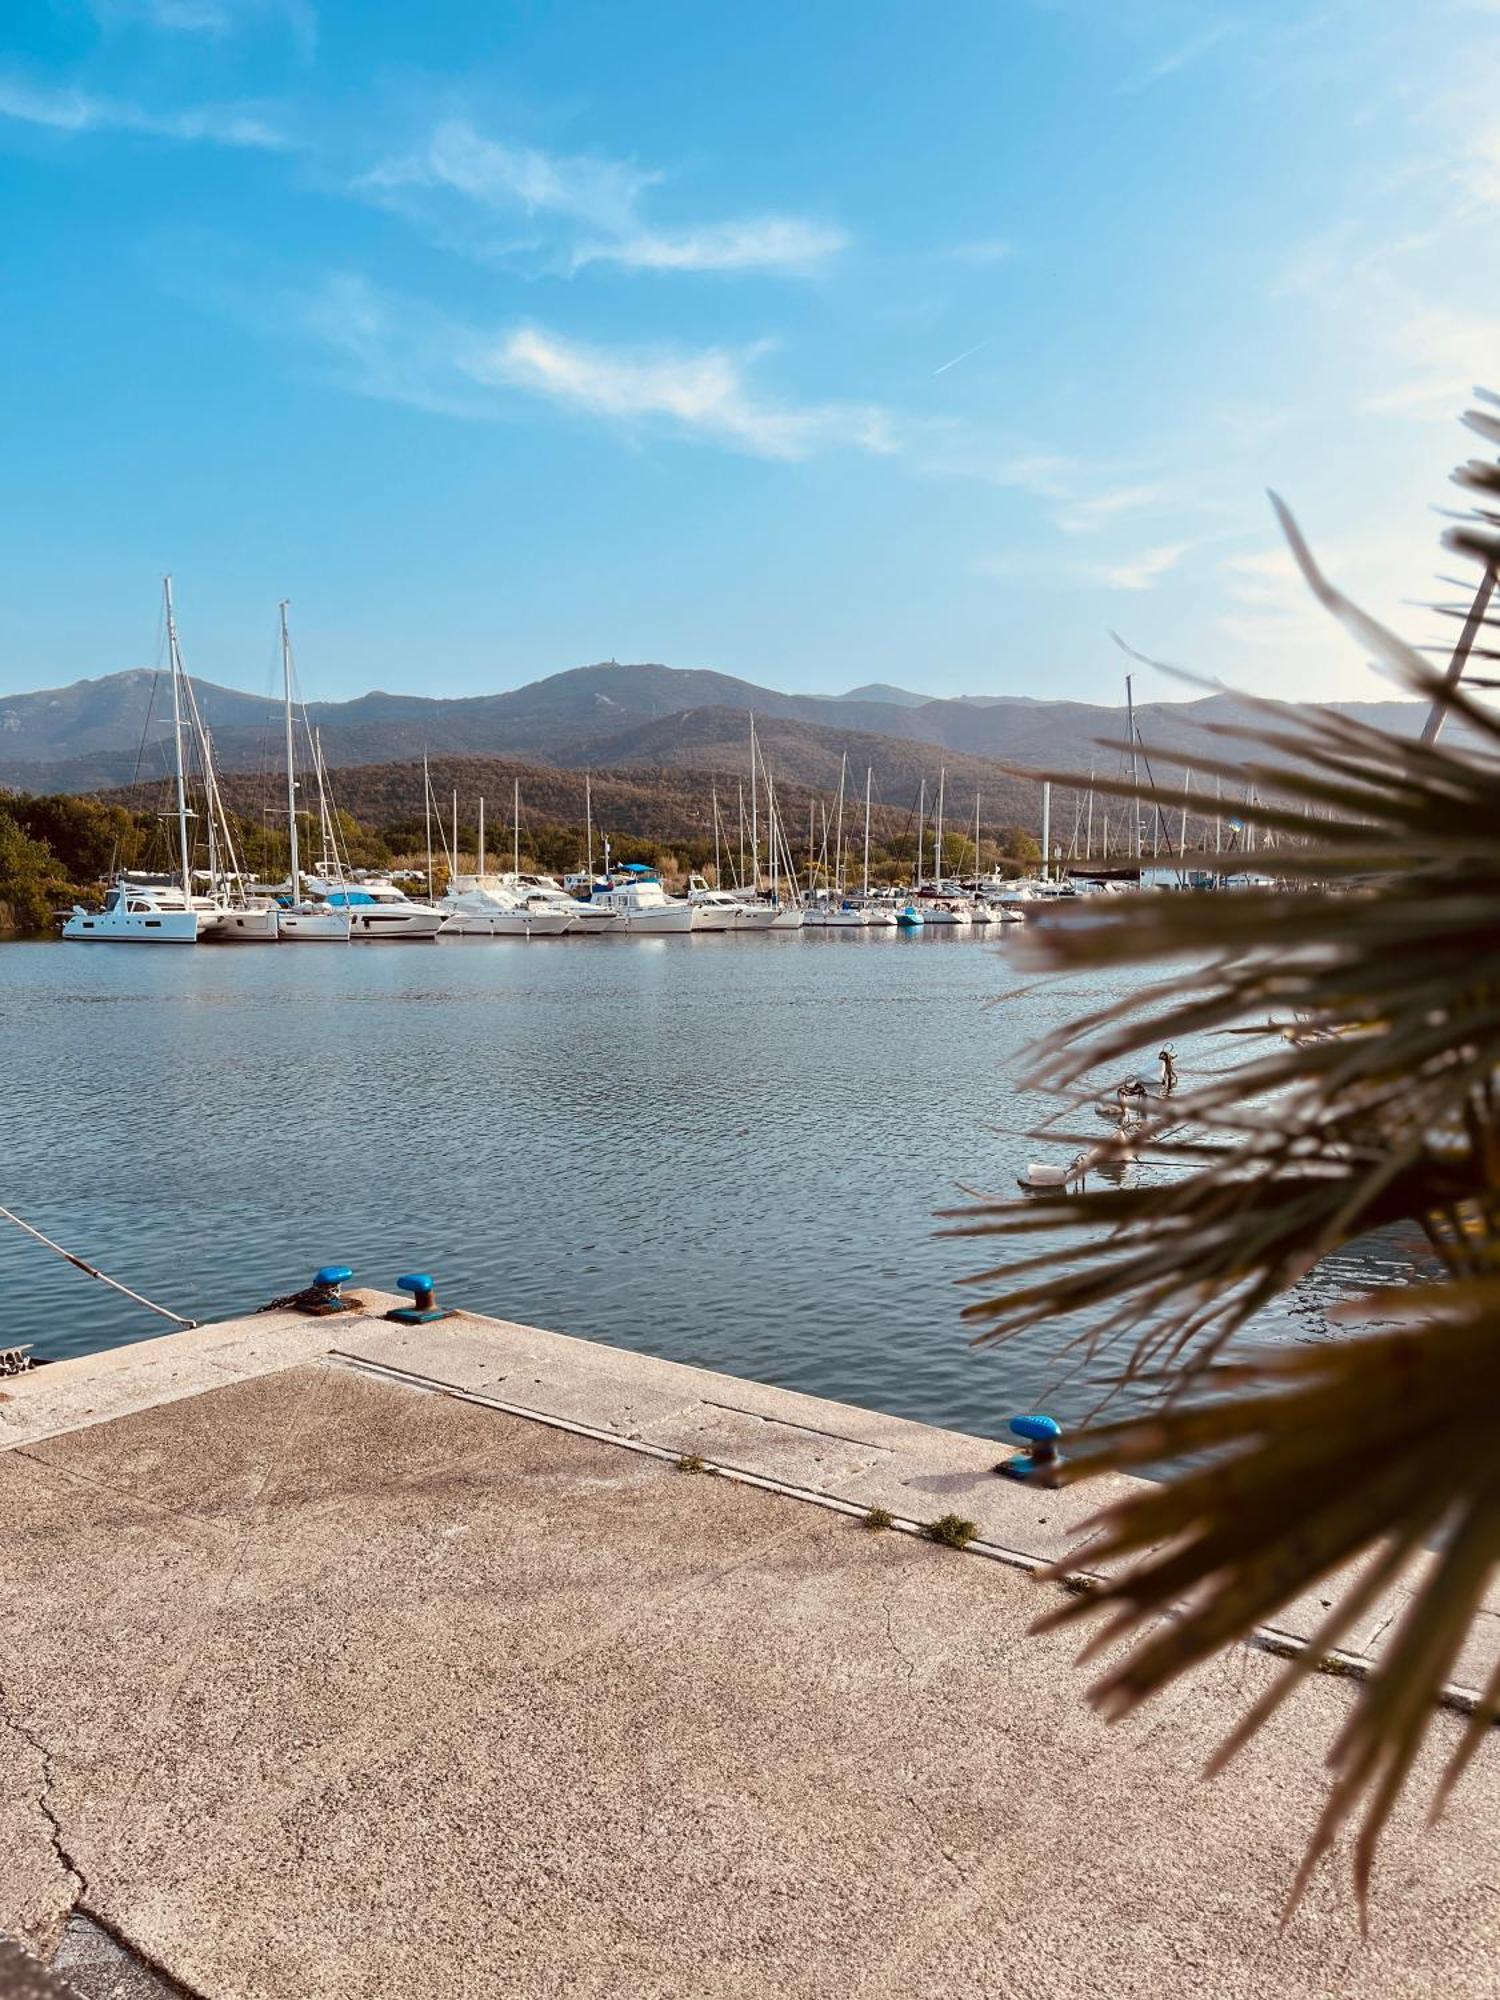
x,y
1039,1466
424,1305
322,1297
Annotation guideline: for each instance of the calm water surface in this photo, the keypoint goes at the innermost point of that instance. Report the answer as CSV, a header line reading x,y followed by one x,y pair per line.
x,y
724,1150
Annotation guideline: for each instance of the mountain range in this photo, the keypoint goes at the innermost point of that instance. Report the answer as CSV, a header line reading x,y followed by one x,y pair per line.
x,y
104,733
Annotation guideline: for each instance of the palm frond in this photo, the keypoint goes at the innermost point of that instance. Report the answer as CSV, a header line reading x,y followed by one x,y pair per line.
x,y
1359,1005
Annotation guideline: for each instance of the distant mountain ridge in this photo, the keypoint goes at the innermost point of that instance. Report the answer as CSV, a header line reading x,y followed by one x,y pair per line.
x,y
88,735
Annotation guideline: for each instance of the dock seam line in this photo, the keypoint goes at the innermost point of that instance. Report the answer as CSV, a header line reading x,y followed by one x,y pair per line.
x,y
1334,1660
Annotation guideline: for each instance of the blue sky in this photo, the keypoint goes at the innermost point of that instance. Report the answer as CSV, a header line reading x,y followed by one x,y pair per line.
x,y
817,343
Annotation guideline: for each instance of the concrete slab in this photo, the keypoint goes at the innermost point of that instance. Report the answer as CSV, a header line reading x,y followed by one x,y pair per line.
x,y
333,1685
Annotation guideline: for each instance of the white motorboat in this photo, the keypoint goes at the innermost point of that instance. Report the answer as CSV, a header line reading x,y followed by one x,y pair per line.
x,y
714,910
724,910
637,898
490,906
788,917
379,909
358,910
880,916
143,913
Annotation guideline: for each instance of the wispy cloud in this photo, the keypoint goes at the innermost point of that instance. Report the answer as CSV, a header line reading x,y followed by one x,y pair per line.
x,y
760,243
399,350
1182,56
596,200
1145,571
1097,509
984,250
77,111
1138,572
705,393
582,187
216,19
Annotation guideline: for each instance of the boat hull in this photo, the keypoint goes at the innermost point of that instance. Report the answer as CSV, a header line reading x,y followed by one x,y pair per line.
x,y
674,921
313,927
163,927
507,923
247,927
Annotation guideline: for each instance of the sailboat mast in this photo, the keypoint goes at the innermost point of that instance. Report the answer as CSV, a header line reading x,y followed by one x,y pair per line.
x,y
182,824
427,815
713,793
838,829
1135,775
921,828
588,825
869,781
515,835
480,856
291,773
937,845
754,815
455,830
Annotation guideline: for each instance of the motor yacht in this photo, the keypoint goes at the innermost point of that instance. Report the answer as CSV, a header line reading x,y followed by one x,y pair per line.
x,y
638,899
363,910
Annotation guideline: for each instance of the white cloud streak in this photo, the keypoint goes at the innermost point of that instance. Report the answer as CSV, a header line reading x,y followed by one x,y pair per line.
x,y
706,393
75,111
215,19
598,198
785,243
398,350
1145,571
1097,510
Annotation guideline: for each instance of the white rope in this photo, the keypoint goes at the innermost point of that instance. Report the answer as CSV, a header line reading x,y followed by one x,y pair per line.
x,y
88,1269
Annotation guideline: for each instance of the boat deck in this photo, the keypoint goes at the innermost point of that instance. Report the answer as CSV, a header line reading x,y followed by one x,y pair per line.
x,y
341,1658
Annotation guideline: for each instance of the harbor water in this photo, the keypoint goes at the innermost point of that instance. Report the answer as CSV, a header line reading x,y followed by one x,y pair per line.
x,y
727,1150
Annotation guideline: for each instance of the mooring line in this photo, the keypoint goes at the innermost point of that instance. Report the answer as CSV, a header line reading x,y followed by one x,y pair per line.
x,y
90,1271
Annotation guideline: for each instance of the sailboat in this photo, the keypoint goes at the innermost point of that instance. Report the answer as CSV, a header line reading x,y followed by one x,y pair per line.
x,y
829,908
137,912
938,911
878,914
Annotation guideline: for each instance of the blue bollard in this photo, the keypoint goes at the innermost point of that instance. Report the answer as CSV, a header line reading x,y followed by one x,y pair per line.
x,y
1040,1465
424,1305
322,1297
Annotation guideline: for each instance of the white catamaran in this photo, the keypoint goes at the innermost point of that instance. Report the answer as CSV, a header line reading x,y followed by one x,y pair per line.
x,y
137,912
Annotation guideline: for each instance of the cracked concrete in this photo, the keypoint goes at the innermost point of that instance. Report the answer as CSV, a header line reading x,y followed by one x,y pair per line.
x,y
333,1687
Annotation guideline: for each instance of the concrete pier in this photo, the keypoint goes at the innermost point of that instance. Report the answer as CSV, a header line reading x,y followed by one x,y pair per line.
x,y
339,1658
